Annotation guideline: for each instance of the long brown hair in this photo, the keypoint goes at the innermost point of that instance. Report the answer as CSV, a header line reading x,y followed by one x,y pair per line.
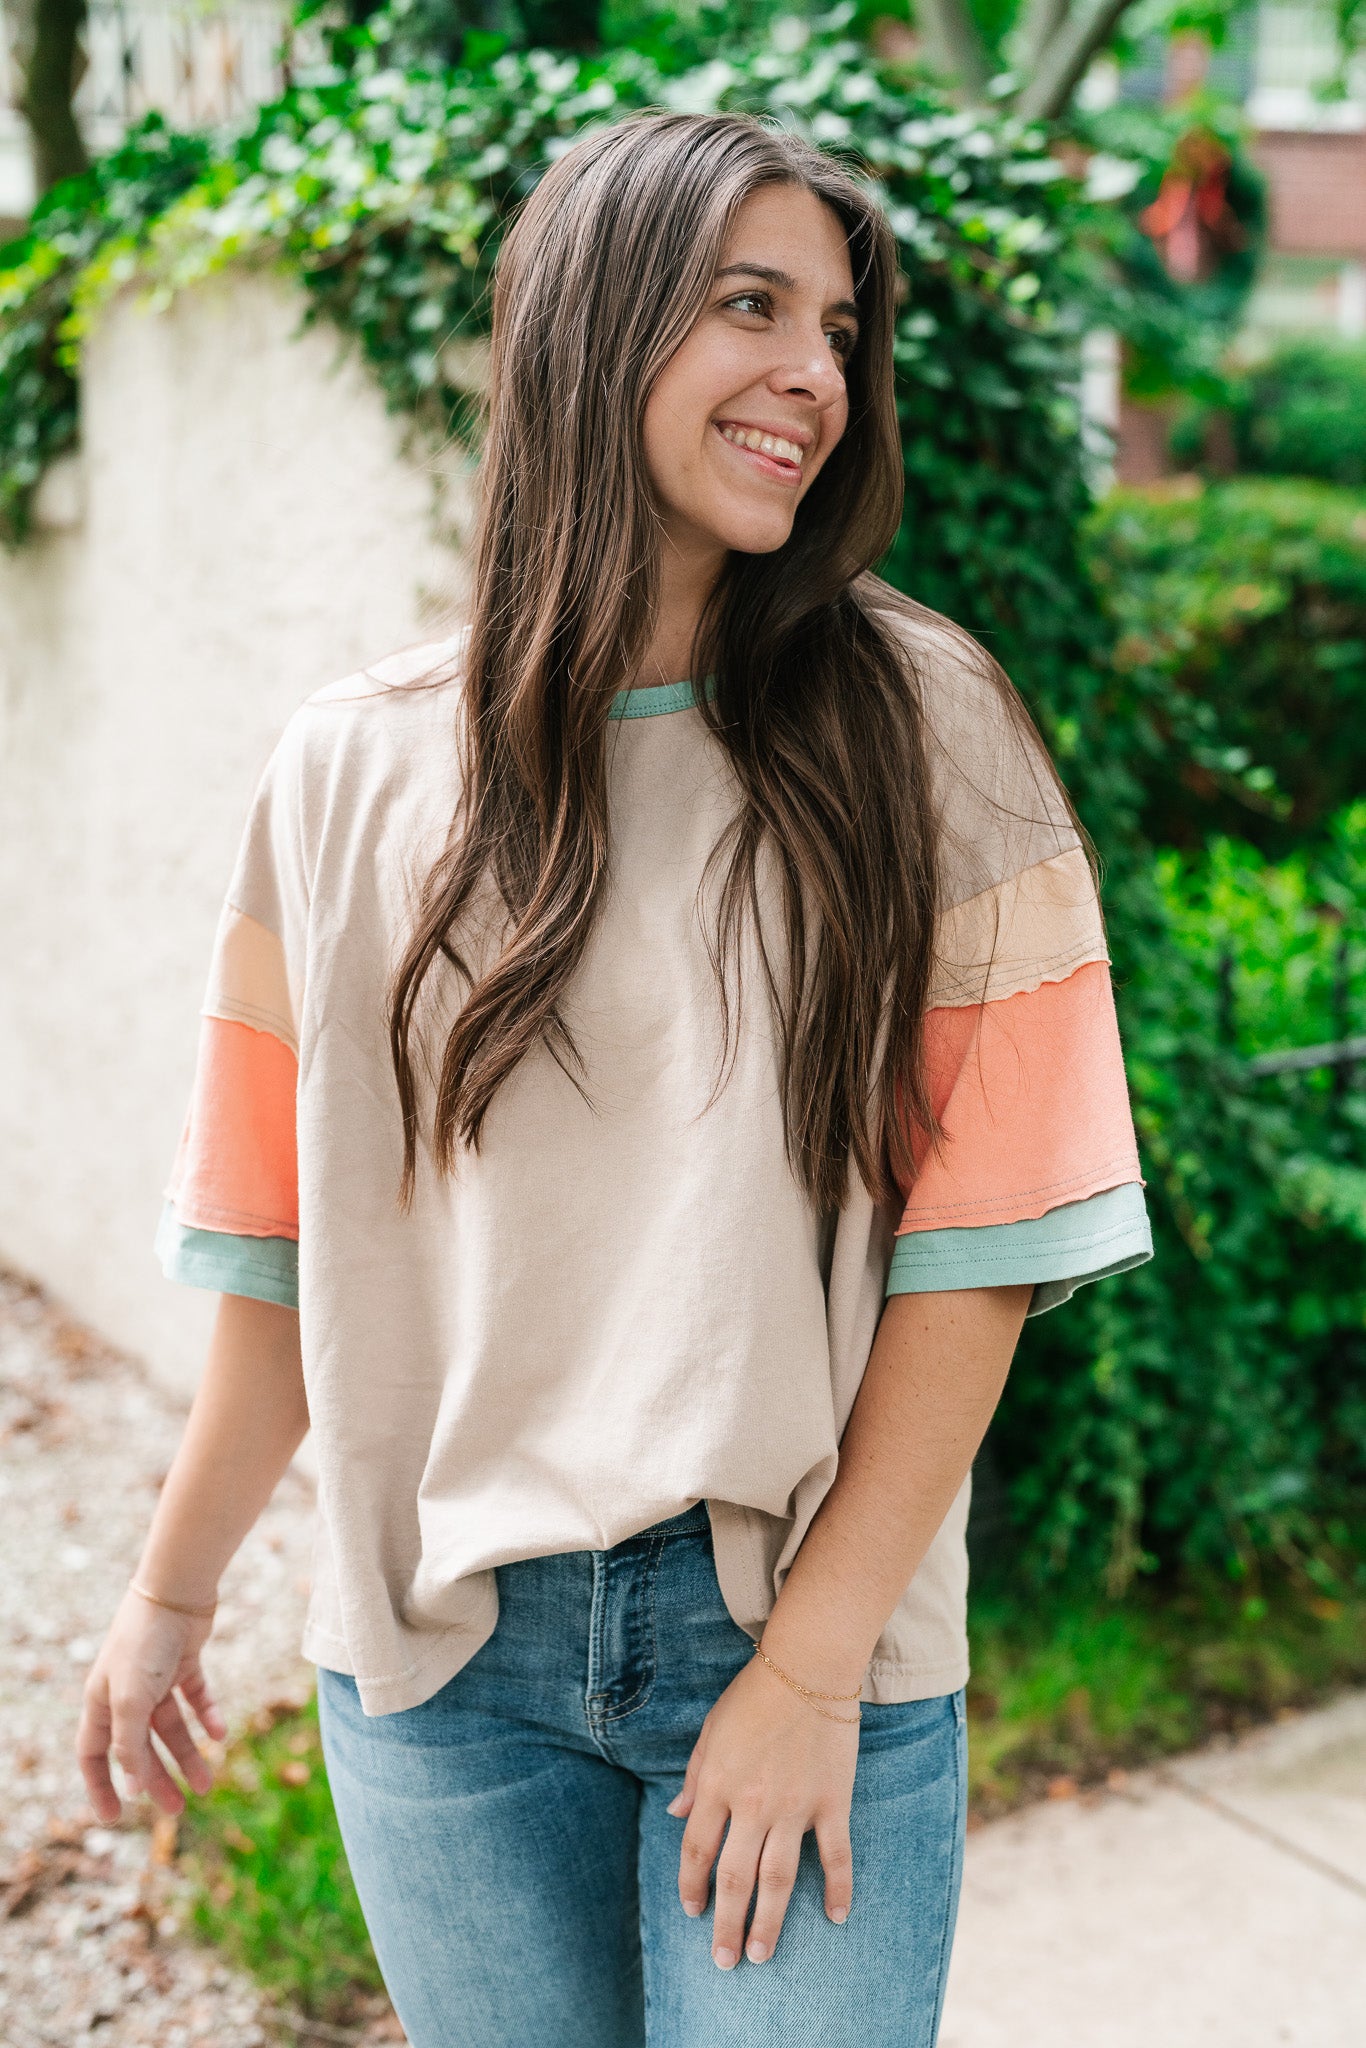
x,y
815,702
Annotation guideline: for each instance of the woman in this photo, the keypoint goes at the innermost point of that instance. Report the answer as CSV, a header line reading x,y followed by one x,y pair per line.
x,y
695,1084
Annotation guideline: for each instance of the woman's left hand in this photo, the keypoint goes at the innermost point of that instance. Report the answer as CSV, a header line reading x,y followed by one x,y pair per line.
x,y
772,1767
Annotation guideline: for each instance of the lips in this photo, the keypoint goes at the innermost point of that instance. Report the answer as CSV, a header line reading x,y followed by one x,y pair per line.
x,y
771,452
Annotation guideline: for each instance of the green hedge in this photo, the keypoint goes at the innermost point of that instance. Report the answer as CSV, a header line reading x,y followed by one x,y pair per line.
x,y
1303,413
1238,612
39,394
1210,1408
1300,413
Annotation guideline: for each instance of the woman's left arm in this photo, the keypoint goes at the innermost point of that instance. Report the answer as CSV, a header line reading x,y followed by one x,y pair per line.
x,y
767,1763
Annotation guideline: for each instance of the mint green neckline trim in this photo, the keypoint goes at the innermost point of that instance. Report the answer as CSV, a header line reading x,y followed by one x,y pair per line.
x,y
657,698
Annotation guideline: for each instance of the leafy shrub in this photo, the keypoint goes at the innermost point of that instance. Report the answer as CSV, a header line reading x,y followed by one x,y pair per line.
x,y
115,199
1303,413
1300,413
1239,625
1210,1408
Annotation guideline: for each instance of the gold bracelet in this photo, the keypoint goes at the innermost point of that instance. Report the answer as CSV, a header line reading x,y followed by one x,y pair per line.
x,y
810,1691
811,1697
200,1613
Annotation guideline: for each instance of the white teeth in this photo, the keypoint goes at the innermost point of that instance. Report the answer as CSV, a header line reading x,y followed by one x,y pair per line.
x,y
764,444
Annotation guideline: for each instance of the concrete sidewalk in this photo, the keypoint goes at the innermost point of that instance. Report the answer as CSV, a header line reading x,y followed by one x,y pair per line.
x,y
1216,1902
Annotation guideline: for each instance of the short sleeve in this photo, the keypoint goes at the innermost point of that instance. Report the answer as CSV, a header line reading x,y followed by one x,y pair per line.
x,y
230,1214
1035,1178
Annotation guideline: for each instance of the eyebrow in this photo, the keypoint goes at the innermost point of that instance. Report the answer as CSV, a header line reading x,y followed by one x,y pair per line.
x,y
784,283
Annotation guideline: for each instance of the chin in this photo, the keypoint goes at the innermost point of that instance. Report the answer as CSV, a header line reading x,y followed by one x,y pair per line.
x,y
754,536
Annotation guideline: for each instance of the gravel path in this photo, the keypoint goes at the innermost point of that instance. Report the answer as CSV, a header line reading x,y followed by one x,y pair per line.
x,y
91,1950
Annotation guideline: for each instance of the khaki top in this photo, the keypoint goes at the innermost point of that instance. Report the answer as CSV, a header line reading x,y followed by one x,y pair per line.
x,y
622,1305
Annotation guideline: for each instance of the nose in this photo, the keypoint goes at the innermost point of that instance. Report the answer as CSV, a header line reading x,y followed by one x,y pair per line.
x,y
811,373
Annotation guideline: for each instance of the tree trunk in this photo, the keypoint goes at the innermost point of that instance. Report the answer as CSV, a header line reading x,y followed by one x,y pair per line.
x,y
1040,21
954,45
58,151
1079,38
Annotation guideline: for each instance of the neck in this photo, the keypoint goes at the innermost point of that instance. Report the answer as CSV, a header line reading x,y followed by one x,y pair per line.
x,y
687,576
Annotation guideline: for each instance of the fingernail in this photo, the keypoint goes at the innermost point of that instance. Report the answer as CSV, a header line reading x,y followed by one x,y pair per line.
x,y
724,1958
672,1806
840,1915
691,1908
757,1951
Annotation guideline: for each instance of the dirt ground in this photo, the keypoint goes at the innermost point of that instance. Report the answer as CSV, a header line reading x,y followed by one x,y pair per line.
x,y
91,1945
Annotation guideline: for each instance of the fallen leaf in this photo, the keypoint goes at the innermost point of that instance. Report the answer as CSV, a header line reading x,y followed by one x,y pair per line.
x,y
165,1832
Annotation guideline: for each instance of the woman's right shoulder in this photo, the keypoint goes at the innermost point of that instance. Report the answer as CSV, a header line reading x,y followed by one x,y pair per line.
x,y
998,802
416,683
375,718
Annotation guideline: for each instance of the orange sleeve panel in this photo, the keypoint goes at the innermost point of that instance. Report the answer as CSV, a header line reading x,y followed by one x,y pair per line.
x,y
1032,1098
236,1168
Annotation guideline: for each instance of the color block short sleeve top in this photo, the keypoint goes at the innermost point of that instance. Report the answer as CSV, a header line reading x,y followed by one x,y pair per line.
x,y
623,1302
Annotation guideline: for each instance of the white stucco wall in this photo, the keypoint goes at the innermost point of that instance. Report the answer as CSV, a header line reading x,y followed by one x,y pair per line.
x,y
240,526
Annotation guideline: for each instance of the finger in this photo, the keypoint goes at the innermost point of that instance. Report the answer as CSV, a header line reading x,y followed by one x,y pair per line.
x,y
737,1869
92,1753
777,1874
194,1690
697,1853
169,1724
681,1805
139,1762
837,1861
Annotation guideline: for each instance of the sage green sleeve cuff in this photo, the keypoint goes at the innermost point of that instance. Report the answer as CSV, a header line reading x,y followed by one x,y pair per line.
x,y
1058,1253
263,1268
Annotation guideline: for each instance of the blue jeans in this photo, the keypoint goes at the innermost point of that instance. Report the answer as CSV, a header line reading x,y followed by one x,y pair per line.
x,y
518,1872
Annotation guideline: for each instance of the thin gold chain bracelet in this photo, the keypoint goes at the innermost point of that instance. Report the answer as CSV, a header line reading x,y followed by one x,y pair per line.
x,y
810,1695
200,1613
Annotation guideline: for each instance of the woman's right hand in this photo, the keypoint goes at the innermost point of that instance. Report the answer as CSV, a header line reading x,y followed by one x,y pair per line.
x,y
149,1655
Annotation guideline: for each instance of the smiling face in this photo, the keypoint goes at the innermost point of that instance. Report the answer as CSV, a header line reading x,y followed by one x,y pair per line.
x,y
745,413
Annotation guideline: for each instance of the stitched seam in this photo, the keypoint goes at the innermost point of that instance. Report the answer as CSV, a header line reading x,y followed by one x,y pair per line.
x,y
238,1262
453,1628
278,1226
1083,954
646,1686
886,1664
316,1628
644,1931
229,1010
930,1262
955,1871
255,1283
230,903
1050,1187
1016,875
593,1689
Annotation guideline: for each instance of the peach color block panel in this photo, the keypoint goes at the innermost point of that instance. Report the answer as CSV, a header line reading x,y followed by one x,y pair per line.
x,y
236,1168
1032,1097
